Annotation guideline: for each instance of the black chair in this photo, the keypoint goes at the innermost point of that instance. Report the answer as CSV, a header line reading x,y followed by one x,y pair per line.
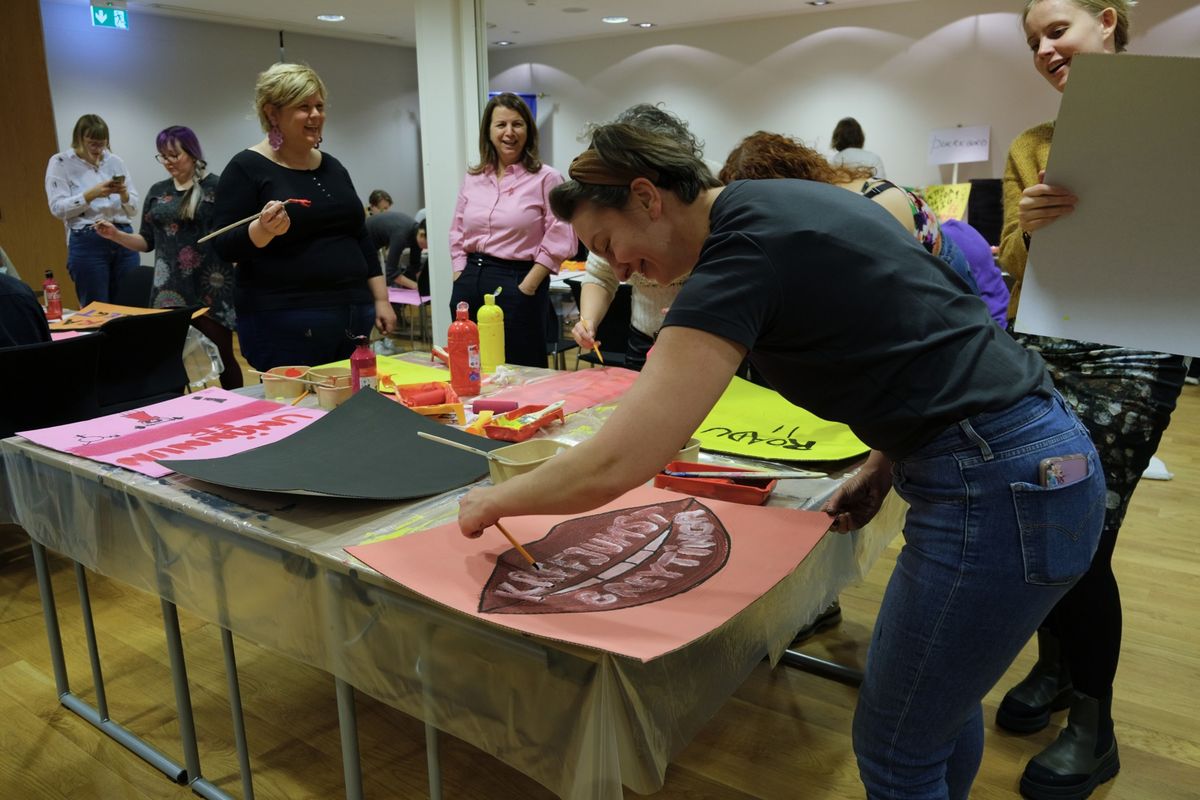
x,y
557,345
49,383
613,330
141,360
135,288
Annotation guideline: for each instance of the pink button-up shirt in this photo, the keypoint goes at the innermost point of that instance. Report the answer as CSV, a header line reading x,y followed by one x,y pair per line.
x,y
510,219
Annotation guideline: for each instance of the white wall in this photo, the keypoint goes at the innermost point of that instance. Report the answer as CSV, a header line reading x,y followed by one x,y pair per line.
x,y
169,71
902,70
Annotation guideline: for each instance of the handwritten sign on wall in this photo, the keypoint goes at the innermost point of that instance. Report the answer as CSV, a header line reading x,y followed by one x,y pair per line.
x,y
754,421
960,145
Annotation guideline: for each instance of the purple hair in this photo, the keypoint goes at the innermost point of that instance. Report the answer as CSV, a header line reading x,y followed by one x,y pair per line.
x,y
183,136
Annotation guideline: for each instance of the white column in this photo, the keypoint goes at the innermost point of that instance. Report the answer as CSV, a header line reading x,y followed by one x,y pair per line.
x,y
452,83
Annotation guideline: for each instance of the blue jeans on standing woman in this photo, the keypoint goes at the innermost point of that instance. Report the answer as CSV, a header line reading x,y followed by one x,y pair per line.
x,y
988,551
97,266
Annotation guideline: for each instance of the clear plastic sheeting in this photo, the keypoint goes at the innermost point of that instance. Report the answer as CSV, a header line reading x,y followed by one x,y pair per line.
x,y
271,569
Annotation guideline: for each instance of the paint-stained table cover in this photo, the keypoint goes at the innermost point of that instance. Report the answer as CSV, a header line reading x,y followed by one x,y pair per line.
x,y
579,389
670,568
401,371
210,422
366,448
751,420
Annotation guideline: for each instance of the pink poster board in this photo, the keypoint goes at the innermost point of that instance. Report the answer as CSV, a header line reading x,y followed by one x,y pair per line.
x,y
639,577
580,389
205,424
408,297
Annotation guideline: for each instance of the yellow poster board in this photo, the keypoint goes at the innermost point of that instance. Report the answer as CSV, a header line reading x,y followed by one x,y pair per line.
x,y
948,200
751,420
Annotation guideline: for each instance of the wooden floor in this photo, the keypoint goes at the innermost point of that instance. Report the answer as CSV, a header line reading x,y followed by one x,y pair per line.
x,y
785,734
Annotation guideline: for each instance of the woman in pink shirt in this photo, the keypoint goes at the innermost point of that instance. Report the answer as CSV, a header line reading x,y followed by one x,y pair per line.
x,y
504,234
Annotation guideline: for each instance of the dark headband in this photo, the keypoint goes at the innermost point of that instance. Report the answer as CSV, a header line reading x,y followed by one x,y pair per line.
x,y
589,167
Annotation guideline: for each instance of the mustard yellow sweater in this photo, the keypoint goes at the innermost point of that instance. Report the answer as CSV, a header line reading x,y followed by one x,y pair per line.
x,y
1026,158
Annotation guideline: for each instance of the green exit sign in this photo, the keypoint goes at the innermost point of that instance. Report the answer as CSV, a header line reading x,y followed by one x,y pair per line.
x,y
110,15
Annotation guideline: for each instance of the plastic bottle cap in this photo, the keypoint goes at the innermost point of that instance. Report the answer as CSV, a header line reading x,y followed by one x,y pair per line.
x,y
489,300
462,310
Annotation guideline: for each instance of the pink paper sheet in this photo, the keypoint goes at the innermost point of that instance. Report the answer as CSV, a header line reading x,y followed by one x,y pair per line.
x,y
408,297
765,545
205,424
580,389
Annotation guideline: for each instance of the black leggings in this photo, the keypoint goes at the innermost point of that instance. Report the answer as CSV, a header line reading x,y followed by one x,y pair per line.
x,y
1125,399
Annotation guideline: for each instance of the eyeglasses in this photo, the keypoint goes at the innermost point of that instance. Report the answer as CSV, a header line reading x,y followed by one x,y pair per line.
x,y
164,158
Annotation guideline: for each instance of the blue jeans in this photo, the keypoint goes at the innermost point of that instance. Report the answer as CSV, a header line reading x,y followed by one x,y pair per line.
x,y
96,265
988,551
302,336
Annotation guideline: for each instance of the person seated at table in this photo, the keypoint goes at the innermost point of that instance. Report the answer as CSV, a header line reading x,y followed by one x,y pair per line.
x,y
412,268
847,142
503,234
378,201
773,155
649,300
22,320
835,304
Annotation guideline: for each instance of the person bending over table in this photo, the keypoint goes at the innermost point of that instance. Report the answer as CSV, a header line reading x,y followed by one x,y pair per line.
x,y
837,307
503,234
187,274
1124,397
85,185
308,279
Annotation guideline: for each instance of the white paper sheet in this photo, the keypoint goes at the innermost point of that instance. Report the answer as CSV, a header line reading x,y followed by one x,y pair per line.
x,y
1124,268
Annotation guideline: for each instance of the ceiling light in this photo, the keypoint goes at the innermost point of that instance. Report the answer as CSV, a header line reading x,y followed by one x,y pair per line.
x,y
616,20
819,3
643,24
331,18
502,43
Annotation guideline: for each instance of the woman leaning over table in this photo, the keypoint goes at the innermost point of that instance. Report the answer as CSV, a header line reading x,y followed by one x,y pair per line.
x,y
85,185
178,211
308,279
959,421
1124,397
503,234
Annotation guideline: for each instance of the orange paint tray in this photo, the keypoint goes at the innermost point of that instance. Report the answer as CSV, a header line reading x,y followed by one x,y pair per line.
x,y
432,399
750,491
510,433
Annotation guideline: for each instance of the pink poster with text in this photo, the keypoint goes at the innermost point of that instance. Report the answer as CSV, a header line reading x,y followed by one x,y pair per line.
x,y
207,424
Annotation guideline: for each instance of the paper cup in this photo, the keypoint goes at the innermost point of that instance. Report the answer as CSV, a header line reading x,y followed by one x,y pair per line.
x,y
516,459
282,388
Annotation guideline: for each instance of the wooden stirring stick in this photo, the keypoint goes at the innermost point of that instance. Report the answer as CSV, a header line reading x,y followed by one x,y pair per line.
x,y
451,443
524,553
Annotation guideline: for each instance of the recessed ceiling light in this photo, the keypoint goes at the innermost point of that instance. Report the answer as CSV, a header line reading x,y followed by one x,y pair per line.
x,y
503,43
331,18
643,24
819,3
616,20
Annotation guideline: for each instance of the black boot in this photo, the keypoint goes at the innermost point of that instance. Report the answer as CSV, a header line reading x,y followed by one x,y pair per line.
x,y
1027,706
1082,757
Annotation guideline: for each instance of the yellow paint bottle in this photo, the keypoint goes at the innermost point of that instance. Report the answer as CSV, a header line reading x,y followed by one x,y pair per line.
x,y
491,333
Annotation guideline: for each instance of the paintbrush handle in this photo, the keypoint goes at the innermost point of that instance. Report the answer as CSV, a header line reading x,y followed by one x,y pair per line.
x,y
524,553
228,227
755,475
286,377
532,417
451,443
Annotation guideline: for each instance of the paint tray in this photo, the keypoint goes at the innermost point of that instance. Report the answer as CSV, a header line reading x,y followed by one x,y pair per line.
x,y
432,399
510,433
748,491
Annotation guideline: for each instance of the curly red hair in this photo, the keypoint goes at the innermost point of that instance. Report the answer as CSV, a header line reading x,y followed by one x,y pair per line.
x,y
772,155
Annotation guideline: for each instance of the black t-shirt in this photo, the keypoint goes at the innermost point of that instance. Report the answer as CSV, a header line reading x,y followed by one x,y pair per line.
x,y
846,315
21,318
323,260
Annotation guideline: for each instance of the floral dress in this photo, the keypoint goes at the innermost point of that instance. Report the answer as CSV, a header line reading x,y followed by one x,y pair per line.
x,y
186,274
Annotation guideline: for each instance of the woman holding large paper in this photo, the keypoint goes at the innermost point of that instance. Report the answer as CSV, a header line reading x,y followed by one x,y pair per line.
x,y
1124,397
958,415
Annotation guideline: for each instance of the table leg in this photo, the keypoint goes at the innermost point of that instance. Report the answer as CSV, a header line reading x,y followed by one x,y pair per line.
x,y
348,725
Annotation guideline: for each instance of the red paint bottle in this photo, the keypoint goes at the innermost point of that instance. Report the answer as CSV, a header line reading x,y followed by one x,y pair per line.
x,y
53,296
463,346
362,366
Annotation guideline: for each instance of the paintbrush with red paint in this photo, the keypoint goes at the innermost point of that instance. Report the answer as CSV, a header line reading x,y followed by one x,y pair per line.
x,y
293,200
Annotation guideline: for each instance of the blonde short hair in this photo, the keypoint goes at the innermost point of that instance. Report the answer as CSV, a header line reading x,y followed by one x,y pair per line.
x,y
284,85
1096,8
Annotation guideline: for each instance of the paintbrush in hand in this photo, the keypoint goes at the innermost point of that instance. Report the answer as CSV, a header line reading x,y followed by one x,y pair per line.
x,y
524,553
298,201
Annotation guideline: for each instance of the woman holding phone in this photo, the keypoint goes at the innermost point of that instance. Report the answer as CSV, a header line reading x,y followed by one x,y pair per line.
x,y
85,185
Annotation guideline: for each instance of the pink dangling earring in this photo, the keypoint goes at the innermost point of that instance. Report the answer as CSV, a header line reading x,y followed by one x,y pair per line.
x,y
275,137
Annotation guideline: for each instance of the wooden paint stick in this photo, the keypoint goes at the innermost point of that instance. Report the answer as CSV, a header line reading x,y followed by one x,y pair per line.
x,y
524,553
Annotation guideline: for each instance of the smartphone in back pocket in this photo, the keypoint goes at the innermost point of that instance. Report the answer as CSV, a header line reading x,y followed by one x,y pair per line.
x,y
1063,470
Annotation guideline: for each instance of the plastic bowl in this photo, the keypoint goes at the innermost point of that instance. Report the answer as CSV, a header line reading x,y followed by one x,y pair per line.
x,y
331,376
330,397
278,388
690,451
516,459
